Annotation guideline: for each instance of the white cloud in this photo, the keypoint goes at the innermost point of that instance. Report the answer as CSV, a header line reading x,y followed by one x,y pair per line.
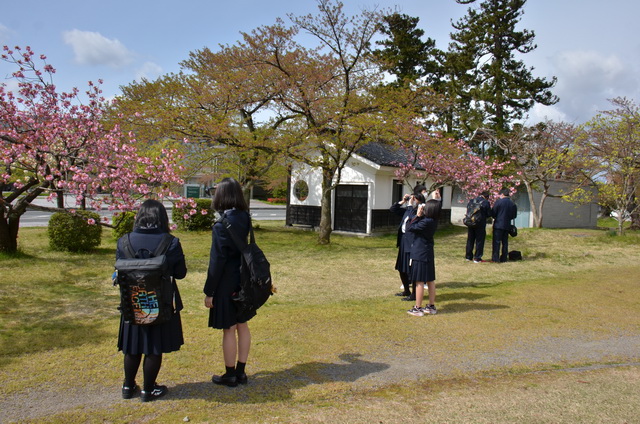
x,y
4,34
541,113
92,48
586,79
10,85
149,71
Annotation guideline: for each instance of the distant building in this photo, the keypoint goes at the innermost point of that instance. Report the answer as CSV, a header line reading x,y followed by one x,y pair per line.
x,y
557,213
361,201
368,187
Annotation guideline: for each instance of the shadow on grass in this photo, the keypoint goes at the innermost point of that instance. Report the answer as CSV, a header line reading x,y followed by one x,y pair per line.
x,y
52,312
456,308
16,255
461,285
449,297
55,333
280,385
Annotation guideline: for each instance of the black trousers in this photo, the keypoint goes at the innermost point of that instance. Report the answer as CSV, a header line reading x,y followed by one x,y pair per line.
x,y
500,251
475,238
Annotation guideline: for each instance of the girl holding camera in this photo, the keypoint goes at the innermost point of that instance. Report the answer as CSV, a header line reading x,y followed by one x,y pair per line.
x,y
423,269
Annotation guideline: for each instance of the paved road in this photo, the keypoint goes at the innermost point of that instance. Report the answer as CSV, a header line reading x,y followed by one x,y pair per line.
x,y
260,211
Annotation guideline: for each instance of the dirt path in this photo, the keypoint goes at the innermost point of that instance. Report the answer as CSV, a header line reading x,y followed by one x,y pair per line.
x,y
365,372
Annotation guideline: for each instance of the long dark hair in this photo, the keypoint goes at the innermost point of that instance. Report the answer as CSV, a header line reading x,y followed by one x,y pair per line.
x,y
152,215
228,196
432,209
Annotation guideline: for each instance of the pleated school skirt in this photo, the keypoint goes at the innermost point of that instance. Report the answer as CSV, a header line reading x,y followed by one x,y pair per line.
x,y
223,315
151,339
402,261
423,271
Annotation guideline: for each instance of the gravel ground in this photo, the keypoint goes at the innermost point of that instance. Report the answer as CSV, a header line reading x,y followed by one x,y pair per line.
x,y
362,372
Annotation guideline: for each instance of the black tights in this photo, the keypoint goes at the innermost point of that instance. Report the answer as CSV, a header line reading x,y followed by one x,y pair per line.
x,y
150,369
404,277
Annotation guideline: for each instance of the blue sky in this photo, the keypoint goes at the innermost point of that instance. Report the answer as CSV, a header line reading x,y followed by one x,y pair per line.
x,y
591,46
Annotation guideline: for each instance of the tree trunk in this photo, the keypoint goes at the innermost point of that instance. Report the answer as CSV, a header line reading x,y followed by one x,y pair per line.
x,y
324,235
9,226
620,223
246,192
537,218
60,199
543,197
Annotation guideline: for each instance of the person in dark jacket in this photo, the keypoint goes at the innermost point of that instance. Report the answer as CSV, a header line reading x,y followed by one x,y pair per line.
x,y
407,211
423,268
150,226
503,211
476,235
223,280
406,208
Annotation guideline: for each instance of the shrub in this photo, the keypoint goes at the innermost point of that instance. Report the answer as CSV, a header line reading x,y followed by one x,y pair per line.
x,y
280,191
123,224
197,221
277,200
75,232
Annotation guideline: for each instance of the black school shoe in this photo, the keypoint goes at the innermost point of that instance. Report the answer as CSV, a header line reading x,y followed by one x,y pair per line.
x,y
129,391
157,392
242,378
225,380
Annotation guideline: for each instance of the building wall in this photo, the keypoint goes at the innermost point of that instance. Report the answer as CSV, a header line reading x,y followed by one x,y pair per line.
x,y
557,213
313,178
359,171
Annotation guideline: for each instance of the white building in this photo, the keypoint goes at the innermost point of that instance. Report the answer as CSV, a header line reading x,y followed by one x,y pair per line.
x,y
368,187
361,201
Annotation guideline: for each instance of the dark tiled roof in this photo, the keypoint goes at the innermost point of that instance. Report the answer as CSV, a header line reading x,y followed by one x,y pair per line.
x,y
383,154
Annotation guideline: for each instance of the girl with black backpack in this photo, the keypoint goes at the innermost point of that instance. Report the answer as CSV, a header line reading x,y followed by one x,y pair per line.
x,y
150,228
223,282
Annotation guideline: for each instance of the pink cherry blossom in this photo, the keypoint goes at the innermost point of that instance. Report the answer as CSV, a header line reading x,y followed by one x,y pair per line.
x,y
68,148
450,162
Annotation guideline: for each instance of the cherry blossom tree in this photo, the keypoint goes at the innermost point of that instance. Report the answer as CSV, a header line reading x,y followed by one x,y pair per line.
x,y
54,143
444,161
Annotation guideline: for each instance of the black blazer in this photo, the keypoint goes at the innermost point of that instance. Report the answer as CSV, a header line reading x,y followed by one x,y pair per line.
x,y
405,213
423,228
149,240
224,259
504,210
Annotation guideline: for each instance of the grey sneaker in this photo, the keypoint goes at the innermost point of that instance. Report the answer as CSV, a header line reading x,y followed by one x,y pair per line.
x,y
416,312
430,310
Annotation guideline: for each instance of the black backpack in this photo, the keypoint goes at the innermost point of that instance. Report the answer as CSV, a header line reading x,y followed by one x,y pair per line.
x,y
146,285
474,213
255,275
515,255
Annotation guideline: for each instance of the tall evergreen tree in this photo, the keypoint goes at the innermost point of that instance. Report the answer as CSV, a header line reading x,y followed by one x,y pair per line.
x,y
404,54
499,87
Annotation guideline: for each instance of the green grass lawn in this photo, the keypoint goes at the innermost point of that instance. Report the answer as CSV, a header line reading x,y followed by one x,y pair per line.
x,y
334,344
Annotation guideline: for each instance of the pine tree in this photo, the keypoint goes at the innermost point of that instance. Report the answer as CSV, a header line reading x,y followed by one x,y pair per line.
x,y
498,87
405,55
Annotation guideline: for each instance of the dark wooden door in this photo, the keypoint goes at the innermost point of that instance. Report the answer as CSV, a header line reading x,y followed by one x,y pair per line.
x,y
350,212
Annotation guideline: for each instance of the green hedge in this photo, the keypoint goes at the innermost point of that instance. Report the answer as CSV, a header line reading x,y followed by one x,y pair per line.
x,y
73,232
123,224
197,221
